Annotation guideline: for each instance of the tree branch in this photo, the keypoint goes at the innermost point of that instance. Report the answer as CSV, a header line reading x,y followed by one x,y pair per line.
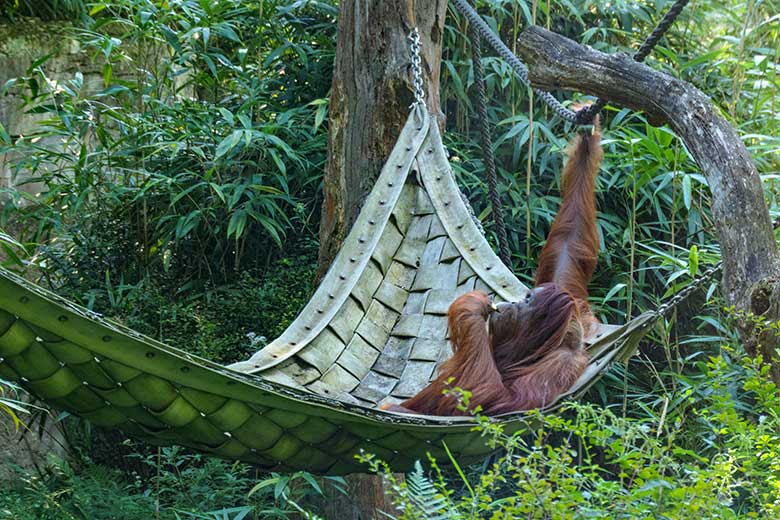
x,y
741,215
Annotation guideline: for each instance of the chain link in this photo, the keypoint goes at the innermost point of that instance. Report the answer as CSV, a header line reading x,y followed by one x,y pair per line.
x,y
665,308
417,74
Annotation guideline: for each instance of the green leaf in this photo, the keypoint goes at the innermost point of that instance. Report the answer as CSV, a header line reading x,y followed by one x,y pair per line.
x,y
4,137
226,114
686,188
237,224
97,8
228,144
693,261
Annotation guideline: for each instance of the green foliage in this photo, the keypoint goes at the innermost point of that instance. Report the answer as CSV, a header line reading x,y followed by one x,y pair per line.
x,y
224,323
589,462
291,490
201,149
175,187
651,196
183,486
44,9
11,251
10,405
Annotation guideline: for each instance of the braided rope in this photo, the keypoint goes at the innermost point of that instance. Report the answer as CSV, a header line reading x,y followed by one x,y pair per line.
x,y
585,115
520,70
487,148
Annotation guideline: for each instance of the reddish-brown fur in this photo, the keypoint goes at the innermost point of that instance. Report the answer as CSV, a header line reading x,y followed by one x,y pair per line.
x,y
523,355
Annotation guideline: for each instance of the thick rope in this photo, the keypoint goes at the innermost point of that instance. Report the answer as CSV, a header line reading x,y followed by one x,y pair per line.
x,y
487,149
585,115
476,21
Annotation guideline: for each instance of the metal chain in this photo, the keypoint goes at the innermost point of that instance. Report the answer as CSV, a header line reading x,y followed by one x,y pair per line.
x,y
417,74
665,308
675,300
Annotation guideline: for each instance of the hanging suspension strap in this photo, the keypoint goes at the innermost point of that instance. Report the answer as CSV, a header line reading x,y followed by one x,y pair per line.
x,y
415,46
668,306
487,149
585,115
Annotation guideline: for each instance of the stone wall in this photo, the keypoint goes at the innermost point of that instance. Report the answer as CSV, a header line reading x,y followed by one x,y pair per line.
x,y
21,44
28,448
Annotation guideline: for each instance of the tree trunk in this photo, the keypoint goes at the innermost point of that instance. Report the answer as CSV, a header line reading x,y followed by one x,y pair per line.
x,y
369,104
370,101
748,249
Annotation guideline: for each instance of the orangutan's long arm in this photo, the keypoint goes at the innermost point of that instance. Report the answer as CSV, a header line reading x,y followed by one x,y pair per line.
x,y
568,259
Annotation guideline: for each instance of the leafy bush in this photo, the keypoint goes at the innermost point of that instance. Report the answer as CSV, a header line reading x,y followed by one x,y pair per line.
x,y
45,9
224,323
195,157
182,486
589,462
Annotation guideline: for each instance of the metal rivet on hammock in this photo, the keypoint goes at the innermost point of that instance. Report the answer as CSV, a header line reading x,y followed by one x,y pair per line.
x,y
488,268
342,277
150,355
62,318
381,203
106,338
319,311
446,204
353,259
24,299
438,177
460,226
85,383
331,296
307,327
362,240
202,414
408,148
371,222
400,166
472,248
430,150
227,434
97,360
389,184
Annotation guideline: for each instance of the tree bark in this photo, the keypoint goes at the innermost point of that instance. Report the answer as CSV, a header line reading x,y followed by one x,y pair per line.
x,y
369,104
748,249
370,101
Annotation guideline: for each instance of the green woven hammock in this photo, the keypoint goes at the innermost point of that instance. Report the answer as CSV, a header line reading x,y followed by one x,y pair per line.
x,y
374,331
